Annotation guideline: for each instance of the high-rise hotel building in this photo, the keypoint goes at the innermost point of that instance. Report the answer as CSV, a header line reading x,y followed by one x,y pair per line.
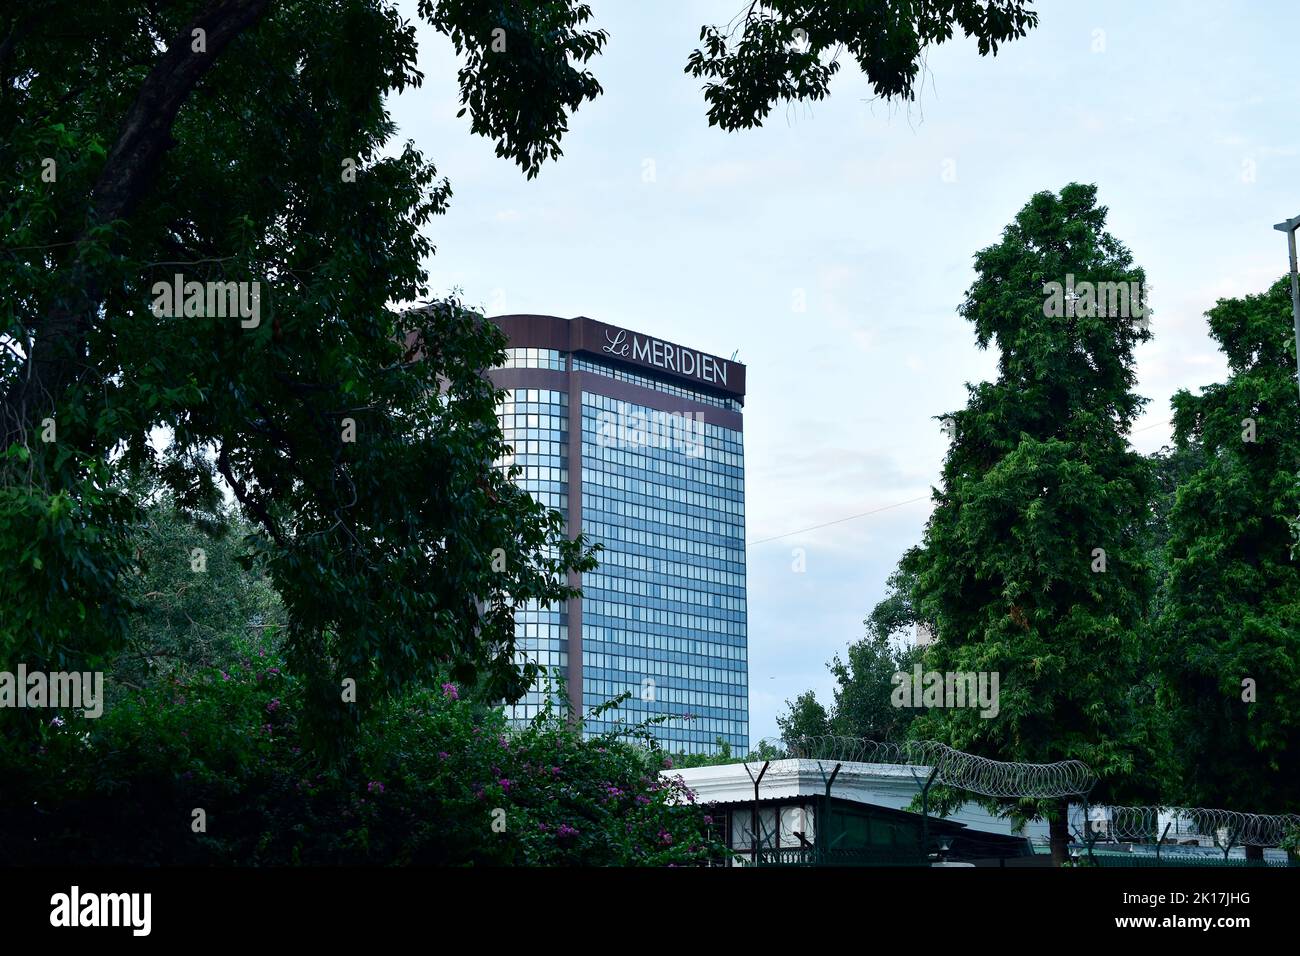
x,y
637,442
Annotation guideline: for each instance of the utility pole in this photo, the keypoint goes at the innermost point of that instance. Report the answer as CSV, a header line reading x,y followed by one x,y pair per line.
x,y
1289,227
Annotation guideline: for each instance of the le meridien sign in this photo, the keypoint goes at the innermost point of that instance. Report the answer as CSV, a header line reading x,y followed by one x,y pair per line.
x,y
611,342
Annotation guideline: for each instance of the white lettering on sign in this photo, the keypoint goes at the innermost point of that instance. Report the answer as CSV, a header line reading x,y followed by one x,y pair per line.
x,y
665,355
617,344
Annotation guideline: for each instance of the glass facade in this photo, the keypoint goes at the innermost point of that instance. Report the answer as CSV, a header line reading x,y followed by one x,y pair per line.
x,y
535,423
536,358
663,615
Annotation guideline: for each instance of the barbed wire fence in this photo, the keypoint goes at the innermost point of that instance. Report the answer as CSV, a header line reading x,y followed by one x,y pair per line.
x,y
954,768
1069,780
1225,828
939,764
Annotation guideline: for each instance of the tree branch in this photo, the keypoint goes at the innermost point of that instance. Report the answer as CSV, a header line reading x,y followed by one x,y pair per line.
x,y
247,500
129,171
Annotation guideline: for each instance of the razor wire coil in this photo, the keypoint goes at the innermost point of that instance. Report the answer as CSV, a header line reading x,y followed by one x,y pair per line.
x,y
1225,827
952,768
1060,779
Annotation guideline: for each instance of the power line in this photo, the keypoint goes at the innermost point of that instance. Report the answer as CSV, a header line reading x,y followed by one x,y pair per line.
x,y
897,504
827,524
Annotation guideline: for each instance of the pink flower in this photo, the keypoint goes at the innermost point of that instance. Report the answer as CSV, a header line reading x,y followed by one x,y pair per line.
x,y
443,755
504,783
567,831
374,786
665,837
449,690
273,706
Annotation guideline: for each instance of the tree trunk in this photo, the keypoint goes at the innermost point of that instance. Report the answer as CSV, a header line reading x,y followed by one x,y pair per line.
x,y
58,337
1255,853
1058,829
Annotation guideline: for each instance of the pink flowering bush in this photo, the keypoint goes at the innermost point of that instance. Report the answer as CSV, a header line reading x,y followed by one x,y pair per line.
x,y
424,782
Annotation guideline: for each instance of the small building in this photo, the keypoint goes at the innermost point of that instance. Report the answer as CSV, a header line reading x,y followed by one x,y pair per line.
x,y
810,812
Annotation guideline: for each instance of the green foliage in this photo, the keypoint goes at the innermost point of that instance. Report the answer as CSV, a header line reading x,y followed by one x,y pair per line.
x,y
864,682
787,50
864,689
359,440
519,81
764,751
804,718
896,613
1171,467
1039,476
1231,601
63,594
434,779
199,595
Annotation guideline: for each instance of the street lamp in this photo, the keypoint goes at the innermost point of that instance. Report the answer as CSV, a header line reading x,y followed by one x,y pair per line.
x,y
1289,227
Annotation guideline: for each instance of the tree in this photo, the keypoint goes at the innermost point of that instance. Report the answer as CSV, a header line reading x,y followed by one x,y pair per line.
x,y
805,718
1230,621
1033,563
200,596
242,141
1171,468
864,690
787,50
896,613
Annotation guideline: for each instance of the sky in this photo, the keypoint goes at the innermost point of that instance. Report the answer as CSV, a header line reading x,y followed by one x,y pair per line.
x,y
833,247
